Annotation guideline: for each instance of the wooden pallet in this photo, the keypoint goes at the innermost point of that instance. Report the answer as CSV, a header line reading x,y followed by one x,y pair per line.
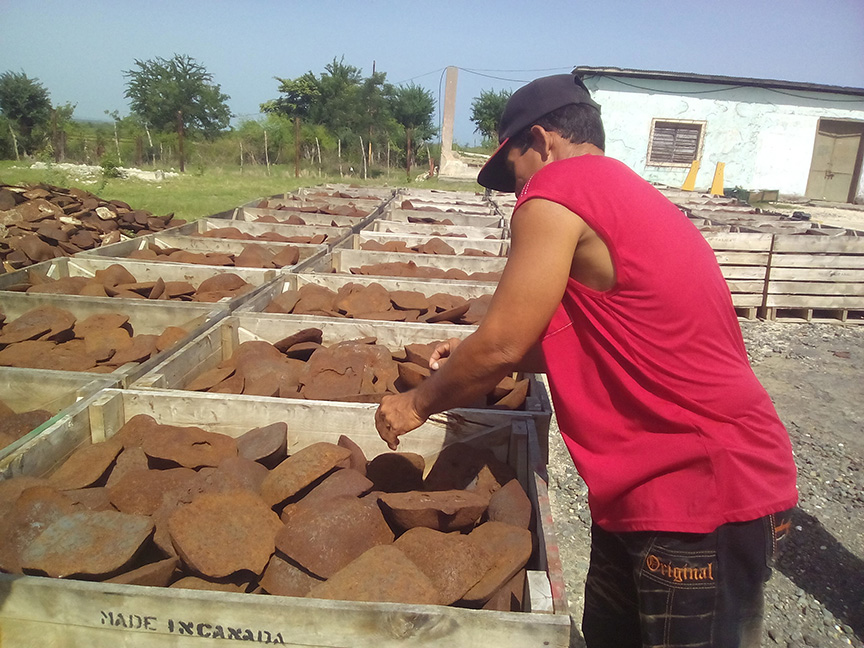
x,y
743,260
815,278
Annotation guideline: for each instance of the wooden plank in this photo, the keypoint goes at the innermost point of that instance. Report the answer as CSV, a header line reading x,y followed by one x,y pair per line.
x,y
817,261
742,258
745,286
44,611
817,274
814,288
547,540
538,597
813,301
747,299
819,245
743,272
739,241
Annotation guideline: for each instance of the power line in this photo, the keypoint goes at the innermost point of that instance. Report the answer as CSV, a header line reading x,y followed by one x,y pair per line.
x,y
552,69
420,75
497,78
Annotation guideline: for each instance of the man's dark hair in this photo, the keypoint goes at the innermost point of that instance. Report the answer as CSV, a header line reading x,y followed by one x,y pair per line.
x,y
579,123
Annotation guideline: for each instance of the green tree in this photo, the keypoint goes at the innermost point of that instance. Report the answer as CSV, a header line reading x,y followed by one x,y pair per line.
x,y
486,111
412,108
177,94
349,106
25,103
61,121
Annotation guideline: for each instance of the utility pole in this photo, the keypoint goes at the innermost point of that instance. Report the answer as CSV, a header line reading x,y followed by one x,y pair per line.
x,y
179,140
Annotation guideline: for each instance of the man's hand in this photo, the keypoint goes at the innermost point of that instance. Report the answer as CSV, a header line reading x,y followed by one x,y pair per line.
x,y
395,416
442,352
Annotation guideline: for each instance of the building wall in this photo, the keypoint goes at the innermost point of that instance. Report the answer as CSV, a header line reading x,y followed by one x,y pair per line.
x,y
764,137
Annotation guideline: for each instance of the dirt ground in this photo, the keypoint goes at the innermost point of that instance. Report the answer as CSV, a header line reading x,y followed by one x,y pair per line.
x,y
814,373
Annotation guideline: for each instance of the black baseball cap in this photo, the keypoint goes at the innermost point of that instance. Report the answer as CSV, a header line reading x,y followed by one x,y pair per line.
x,y
528,104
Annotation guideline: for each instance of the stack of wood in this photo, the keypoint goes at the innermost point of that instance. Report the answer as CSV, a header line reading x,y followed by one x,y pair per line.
x,y
43,222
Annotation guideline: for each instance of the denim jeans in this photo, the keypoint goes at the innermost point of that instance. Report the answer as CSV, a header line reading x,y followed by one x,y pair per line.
x,y
647,589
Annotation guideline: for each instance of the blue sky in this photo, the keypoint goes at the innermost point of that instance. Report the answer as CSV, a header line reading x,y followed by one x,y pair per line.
x,y
79,49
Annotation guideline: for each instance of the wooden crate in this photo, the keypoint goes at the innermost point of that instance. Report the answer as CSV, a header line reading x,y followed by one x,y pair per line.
x,y
143,271
815,277
335,189
334,282
252,214
427,229
57,612
294,202
204,225
436,208
220,341
402,216
23,390
197,244
743,260
145,316
498,247
341,261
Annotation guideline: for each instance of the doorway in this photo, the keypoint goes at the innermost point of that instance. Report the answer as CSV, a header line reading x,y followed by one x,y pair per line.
x,y
836,166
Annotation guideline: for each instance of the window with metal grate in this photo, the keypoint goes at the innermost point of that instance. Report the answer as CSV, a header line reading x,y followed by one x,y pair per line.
x,y
675,143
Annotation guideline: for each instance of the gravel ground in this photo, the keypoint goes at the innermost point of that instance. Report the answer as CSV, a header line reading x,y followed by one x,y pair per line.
x,y
816,595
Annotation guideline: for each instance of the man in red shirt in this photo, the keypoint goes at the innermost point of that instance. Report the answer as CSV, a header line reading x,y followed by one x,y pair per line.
x,y
615,294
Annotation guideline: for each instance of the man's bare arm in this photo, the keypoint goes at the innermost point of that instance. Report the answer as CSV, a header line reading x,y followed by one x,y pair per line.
x,y
544,239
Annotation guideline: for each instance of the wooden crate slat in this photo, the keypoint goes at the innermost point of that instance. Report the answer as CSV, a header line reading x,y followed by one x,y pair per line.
x,y
830,302
746,300
818,274
743,272
816,261
742,258
738,241
819,244
745,286
814,288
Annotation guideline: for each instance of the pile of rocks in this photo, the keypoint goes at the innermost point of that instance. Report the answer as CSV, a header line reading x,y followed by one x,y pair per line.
x,y
44,222
432,246
293,219
274,237
316,207
375,302
15,425
161,505
48,337
252,256
411,269
299,366
117,281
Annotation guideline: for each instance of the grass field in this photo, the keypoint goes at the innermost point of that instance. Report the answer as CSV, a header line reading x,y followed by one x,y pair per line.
x,y
201,192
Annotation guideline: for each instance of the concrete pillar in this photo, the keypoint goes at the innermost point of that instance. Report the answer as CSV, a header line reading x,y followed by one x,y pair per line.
x,y
449,116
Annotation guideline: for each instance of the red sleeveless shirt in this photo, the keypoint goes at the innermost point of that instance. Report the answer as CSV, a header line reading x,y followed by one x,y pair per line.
x,y
653,391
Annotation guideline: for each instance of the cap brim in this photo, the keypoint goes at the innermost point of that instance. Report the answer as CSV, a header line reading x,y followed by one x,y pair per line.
x,y
495,174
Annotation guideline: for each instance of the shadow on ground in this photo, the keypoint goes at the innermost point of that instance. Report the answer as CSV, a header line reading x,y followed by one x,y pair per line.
x,y
816,562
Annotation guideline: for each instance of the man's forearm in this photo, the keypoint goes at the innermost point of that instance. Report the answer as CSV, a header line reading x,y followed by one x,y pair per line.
x,y
476,366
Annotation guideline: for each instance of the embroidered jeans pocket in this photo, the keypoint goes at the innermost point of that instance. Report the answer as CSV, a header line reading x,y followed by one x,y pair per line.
x,y
677,590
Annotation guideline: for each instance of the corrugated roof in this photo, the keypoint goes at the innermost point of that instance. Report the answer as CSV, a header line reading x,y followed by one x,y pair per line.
x,y
586,71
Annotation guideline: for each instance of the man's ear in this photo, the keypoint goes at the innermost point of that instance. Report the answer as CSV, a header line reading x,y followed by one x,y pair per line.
x,y
541,141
